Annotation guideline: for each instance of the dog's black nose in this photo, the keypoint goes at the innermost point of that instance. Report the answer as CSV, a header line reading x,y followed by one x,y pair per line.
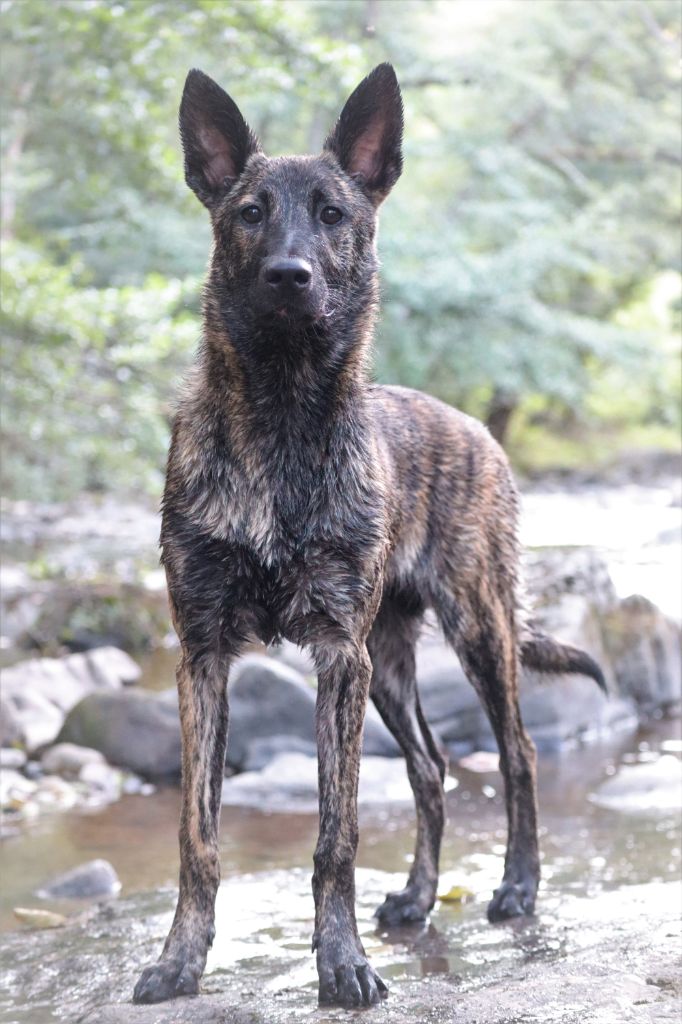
x,y
292,274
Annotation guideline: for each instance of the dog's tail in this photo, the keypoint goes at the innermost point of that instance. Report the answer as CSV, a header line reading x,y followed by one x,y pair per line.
x,y
541,652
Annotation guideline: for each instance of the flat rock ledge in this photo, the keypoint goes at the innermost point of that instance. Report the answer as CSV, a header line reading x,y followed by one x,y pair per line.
x,y
632,977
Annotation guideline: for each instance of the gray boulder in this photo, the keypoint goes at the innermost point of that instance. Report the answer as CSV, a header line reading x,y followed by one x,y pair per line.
x,y
37,694
111,667
96,878
21,603
104,783
269,701
289,782
133,729
11,726
551,573
264,749
68,759
644,647
448,700
377,741
562,709
575,600
28,718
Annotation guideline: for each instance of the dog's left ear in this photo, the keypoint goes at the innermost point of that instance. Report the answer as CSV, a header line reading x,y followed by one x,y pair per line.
x,y
367,137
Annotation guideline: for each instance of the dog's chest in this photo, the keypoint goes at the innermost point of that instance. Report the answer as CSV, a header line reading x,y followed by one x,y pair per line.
x,y
288,536
271,512
299,555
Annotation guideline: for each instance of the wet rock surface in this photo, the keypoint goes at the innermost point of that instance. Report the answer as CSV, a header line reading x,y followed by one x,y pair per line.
x,y
648,788
601,949
614,957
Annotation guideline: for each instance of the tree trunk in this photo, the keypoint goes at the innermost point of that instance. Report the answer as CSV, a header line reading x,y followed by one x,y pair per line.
x,y
501,408
10,165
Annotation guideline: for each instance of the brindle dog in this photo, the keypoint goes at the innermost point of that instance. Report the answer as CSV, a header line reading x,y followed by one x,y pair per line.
x,y
303,501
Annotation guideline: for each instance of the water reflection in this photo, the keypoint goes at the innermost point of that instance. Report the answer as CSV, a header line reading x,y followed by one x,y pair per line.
x,y
421,944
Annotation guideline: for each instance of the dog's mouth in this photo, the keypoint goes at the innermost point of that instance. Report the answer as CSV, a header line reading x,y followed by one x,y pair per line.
x,y
293,311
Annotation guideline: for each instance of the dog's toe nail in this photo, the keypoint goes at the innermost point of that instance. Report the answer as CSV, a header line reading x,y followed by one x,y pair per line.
x,y
348,986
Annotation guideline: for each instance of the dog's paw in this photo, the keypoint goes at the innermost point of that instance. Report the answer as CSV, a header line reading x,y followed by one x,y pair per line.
x,y
166,980
404,907
512,899
350,985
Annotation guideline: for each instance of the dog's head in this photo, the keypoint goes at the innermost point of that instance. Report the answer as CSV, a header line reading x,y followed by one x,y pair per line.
x,y
294,236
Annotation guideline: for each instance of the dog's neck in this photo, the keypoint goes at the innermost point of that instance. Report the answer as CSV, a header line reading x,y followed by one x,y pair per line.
x,y
281,385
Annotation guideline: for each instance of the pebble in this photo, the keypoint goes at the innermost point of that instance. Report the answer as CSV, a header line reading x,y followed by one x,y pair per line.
x,y
68,759
481,761
104,781
54,791
133,785
15,789
12,757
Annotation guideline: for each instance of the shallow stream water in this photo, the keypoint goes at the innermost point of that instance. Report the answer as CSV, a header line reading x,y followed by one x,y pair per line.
x,y
264,909
607,871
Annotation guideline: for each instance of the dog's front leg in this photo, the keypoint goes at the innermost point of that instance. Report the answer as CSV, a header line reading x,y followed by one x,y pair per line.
x,y
346,977
203,720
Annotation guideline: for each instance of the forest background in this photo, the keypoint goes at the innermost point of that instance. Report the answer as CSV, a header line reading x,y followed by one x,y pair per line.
x,y
530,253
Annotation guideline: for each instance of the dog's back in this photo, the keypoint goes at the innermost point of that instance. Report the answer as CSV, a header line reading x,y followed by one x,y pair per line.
x,y
455,499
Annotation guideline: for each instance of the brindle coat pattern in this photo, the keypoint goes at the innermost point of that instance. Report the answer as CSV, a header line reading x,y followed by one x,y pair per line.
x,y
303,501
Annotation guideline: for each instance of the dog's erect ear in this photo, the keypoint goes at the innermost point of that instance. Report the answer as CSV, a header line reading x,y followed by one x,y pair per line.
x,y
367,137
216,139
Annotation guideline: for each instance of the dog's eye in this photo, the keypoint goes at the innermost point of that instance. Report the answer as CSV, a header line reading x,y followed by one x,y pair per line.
x,y
330,215
252,214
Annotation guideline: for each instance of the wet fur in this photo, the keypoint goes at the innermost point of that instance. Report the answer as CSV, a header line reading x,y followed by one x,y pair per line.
x,y
303,501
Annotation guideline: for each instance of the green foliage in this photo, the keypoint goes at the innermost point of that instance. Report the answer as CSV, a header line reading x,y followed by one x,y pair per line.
x,y
531,249
87,376
548,203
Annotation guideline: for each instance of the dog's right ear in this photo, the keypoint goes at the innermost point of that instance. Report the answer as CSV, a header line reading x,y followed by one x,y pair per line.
x,y
216,140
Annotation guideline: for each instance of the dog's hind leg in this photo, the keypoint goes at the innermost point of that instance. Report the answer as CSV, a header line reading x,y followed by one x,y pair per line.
x,y
203,719
480,625
391,645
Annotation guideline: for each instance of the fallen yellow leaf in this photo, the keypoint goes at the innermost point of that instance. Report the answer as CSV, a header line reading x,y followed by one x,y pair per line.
x,y
39,918
457,894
